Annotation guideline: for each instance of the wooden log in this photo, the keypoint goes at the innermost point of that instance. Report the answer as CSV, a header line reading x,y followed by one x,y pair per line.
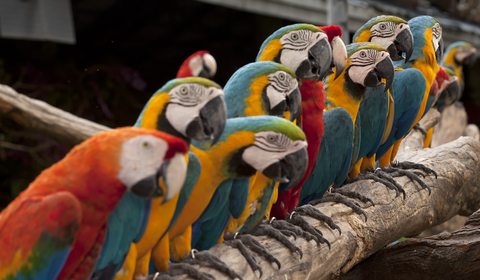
x,y
414,140
456,190
451,126
444,256
38,116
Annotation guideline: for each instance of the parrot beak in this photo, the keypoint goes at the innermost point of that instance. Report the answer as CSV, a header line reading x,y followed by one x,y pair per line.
x,y
339,55
290,170
294,103
403,43
449,95
317,66
383,70
150,186
466,57
209,125
439,51
209,66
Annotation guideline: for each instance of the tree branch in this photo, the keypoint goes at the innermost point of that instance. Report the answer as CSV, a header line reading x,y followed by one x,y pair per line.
x,y
39,116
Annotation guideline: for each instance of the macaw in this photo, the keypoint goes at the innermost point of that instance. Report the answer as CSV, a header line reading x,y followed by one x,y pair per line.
x,y
201,106
411,86
56,227
199,64
457,55
448,87
274,146
375,116
260,88
310,57
365,66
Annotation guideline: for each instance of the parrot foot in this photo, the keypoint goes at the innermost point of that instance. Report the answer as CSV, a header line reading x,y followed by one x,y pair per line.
x,y
230,240
417,166
420,129
338,198
207,258
177,269
256,247
309,210
269,230
398,172
385,179
160,276
284,225
317,234
354,195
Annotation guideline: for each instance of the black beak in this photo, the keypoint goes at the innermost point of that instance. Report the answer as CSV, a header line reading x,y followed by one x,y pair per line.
x,y
403,43
290,170
449,95
209,125
294,104
439,51
149,187
383,70
206,72
317,66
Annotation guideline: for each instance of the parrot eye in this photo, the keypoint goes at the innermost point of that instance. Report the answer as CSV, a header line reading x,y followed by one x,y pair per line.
x,y
183,90
272,138
382,26
363,54
145,144
281,76
294,36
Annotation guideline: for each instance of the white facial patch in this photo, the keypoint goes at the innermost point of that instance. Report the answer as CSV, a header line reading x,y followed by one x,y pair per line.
x,y
140,157
269,148
296,44
385,33
175,175
464,52
186,101
363,62
436,35
210,62
281,84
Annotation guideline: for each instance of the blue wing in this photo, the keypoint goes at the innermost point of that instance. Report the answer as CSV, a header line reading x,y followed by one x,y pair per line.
x,y
259,214
408,89
238,196
335,155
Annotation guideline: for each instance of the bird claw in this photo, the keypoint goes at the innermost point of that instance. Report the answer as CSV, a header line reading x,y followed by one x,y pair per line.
x,y
338,198
354,195
256,247
420,129
317,234
417,166
398,172
207,258
233,242
177,269
314,213
385,179
269,230
284,225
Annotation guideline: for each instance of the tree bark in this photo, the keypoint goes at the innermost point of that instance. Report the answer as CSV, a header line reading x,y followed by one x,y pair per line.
x,y
455,191
38,116
443,256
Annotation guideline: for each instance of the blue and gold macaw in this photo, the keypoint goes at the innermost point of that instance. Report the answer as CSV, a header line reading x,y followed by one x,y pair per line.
x,y
457,55
260,88
366,65
132,234
411,86
271,145
375,116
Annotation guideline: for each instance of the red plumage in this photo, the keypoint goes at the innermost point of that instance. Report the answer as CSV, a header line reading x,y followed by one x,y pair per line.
x,y
185,71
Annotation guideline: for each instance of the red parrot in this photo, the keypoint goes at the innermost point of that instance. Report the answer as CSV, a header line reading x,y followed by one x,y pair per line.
x,y
311,121
199,64
55,228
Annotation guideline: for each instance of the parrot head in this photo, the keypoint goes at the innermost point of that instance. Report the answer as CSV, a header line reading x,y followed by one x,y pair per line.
x,y
148,163
390,32
447,86
304,48
271,145
461,52
367,65
199,64
427,39
263,88
189,108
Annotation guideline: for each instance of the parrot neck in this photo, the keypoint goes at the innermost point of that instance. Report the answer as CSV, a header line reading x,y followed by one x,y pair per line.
x,y
215,169
343,92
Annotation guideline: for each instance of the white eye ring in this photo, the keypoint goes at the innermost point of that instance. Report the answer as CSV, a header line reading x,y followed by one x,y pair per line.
x,y
145,144
294,36
382,26
281,76
183,90
272,138
363,54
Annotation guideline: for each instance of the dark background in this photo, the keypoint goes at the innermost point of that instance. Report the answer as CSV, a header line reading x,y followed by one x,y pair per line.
x,y
125,50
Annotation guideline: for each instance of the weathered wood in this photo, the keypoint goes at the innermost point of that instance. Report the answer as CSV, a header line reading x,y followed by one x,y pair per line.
x,y
39,116
443,256
456,190
414,140
451,126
